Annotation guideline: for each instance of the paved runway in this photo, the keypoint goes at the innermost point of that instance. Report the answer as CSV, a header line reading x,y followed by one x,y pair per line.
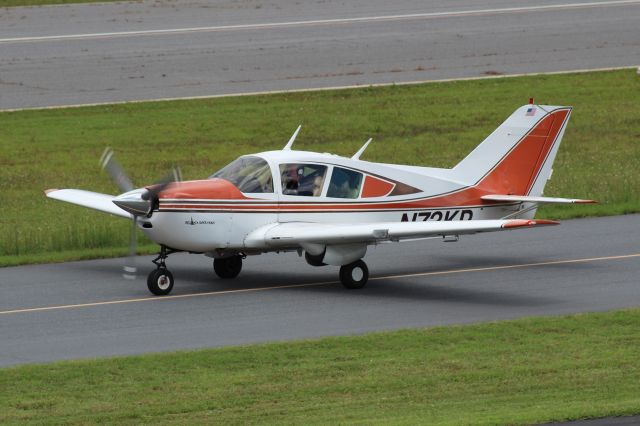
x,y
156,49
581,265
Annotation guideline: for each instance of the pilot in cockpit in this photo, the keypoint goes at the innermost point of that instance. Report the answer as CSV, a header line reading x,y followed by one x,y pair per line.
x,y
290,179
295,182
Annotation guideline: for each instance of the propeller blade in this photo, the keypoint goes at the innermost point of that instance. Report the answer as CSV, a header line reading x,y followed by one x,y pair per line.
x,y
130,269
115,170
177,174
137,204
143,207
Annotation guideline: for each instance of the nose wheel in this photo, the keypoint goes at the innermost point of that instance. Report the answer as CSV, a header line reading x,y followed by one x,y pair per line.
x,y
160,280
354,275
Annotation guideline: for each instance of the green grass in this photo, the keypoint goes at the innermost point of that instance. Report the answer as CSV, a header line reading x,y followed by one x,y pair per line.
x,y
431,124
516,372
78,254
11,3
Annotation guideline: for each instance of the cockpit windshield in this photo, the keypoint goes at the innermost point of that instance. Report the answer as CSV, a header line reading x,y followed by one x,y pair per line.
x,y
249,174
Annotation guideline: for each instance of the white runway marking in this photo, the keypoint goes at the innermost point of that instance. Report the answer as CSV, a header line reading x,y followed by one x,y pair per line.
x,y
253,290
413,16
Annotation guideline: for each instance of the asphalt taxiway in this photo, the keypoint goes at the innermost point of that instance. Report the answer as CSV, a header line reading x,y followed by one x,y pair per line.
x,y
95,53
86,309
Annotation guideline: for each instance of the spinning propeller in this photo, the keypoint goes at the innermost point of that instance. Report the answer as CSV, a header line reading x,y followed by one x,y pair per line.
x,y
136,202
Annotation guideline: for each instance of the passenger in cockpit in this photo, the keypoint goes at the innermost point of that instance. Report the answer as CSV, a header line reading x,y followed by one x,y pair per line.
x,y
317,186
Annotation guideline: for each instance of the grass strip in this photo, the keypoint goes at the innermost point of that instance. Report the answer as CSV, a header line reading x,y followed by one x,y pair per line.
x,y
433,124
73,255
512,372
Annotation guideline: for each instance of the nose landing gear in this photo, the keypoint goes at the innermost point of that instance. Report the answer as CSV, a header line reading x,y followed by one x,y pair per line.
x,y
160,280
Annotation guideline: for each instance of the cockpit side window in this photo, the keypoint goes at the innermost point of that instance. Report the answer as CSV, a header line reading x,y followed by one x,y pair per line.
x,y
344,183
302,179
249,174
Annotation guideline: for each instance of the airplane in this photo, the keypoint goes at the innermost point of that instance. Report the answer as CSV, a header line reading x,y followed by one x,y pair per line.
x,y
330,208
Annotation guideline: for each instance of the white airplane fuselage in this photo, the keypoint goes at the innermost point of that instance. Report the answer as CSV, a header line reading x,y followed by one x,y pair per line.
x,y
202,216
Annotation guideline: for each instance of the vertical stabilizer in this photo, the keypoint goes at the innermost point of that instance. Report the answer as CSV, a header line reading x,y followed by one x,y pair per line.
x,y
517,157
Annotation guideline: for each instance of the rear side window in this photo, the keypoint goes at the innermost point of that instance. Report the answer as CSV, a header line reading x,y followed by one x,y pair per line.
x,y
374,187
344,183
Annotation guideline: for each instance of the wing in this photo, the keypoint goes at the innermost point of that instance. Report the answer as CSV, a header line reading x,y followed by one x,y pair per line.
x,y
538,200
293,234
93,200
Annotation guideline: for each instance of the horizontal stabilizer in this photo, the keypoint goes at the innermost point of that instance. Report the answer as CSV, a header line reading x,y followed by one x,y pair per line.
x,y
293,234
92,200
537,200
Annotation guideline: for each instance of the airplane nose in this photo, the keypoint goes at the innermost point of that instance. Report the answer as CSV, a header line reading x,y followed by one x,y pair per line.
x,y
133,203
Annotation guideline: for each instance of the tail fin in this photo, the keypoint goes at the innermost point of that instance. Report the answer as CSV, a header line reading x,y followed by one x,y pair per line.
x,y
517,157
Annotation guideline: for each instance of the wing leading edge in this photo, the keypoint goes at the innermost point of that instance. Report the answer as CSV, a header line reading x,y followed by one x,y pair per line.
x,y
293,234
93,200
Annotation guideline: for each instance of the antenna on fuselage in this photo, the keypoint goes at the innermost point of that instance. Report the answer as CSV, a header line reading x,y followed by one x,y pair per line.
x,y
357,155
287,147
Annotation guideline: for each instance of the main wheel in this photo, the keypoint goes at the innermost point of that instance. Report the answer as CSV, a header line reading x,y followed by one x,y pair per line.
x,y
354,275
160,282
228,267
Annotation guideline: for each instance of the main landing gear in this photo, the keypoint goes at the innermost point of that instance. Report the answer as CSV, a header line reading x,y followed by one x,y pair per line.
x,y
354,275
160,280
228,267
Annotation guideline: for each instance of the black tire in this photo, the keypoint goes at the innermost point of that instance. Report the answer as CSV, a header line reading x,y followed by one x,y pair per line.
x,y
160,282
228,267
354,275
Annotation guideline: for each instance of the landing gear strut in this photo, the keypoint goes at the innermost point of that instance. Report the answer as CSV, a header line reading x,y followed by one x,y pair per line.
x,y
160,280
354,275
228,267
